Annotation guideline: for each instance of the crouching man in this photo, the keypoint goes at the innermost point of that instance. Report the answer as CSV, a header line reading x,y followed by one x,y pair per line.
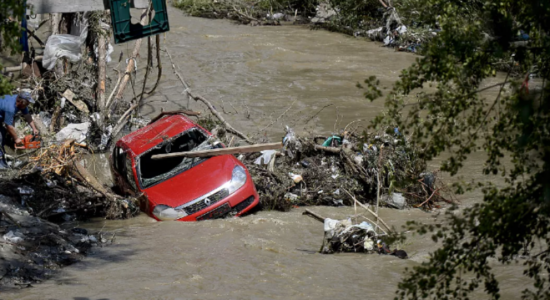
x,y
9,106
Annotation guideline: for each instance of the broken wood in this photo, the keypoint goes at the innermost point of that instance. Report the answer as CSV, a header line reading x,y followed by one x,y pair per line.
x,y
328,149
313,215
79,104
132,62
222,151
102,75
13,69
369,210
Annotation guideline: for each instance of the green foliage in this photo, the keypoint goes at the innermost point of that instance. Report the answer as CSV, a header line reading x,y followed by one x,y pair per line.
x,y
511,127
355,13
257,9
10,33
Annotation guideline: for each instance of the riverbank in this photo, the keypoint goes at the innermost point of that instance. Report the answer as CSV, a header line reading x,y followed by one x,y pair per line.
x,y
33,249
374,20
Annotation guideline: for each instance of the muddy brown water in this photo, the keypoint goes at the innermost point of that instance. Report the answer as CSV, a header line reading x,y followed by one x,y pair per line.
x,y
268,255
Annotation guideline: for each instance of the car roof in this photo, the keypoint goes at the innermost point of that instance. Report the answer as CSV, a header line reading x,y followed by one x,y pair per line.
x,y
145,138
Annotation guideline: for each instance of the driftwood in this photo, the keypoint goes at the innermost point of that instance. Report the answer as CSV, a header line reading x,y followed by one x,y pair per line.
x,y
328,149
313,215
222,151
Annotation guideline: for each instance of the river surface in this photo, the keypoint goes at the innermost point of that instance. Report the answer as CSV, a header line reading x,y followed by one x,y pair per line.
x,y
261,71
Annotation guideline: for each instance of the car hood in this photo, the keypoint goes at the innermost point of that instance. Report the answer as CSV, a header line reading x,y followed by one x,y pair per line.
x,y
193,183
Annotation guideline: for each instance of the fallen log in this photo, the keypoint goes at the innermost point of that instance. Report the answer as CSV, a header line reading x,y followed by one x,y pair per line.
x,y
313,215
222,151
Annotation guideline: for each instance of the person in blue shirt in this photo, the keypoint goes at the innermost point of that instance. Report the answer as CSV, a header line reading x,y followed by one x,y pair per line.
x,y
9,106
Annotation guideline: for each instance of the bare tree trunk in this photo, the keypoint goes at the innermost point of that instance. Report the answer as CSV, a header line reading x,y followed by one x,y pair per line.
x,y
55,20
102,74
131,62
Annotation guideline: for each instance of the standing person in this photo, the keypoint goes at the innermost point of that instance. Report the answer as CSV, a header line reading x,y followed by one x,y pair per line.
x,y
9,106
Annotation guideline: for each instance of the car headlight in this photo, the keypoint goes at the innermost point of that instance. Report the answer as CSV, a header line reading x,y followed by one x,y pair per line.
x,y
167,213
238,179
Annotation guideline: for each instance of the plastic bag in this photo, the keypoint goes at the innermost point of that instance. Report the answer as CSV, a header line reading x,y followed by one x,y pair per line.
x,y
291,143
63,45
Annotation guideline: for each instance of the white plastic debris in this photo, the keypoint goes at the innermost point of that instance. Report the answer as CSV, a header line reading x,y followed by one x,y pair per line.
x,y
105,137
14,236
109,49
74,131
291,197
266,157
368,244
276,16
401,29
63,45
291,143
25,190
396,200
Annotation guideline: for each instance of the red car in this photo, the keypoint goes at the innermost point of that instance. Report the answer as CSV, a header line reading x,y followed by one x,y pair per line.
x,y
181,188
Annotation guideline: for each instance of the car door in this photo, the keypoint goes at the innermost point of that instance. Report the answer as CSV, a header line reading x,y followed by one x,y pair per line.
x,y
123,172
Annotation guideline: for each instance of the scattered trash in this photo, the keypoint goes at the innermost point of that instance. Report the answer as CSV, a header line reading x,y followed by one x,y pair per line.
x,y
395,200
333,141
325,12
296,177
276,16
291,197
77,132
14,237
344,236
267,156
292,144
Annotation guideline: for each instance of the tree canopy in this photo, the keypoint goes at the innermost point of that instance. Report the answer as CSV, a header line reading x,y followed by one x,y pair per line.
x,y
477,39
11,13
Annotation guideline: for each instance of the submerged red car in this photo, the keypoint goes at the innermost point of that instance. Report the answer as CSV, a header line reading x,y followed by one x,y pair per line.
x,y
181,188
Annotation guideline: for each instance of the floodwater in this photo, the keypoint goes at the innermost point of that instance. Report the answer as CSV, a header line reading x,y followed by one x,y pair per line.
x,y
263,72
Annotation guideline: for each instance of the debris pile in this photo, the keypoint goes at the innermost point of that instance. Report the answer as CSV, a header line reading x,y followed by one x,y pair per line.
x,y
32,249
321,171
345,236
54,184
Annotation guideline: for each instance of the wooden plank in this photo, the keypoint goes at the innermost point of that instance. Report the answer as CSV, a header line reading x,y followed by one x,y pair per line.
x,y
222,151
67,6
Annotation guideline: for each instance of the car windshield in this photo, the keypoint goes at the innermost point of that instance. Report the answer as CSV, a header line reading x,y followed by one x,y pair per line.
x,y
151,172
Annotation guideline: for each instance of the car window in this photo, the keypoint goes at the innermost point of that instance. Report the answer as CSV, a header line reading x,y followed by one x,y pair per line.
x,y
151,172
